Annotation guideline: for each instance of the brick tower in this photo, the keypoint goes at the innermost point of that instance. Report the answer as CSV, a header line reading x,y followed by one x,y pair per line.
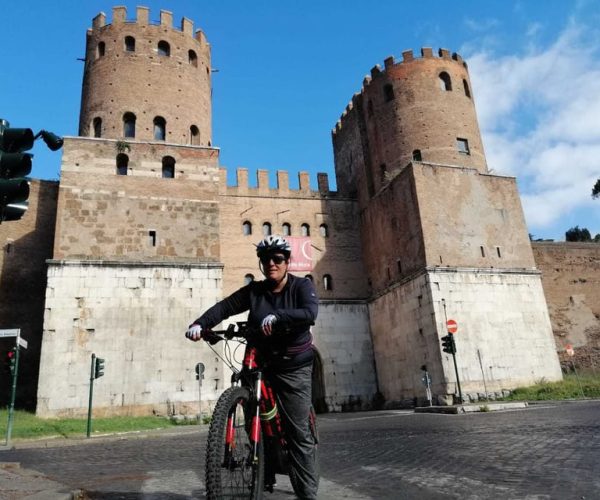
x,y
146,81
441,237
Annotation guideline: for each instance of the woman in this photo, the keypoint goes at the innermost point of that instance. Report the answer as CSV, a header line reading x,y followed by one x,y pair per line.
x,y
280,299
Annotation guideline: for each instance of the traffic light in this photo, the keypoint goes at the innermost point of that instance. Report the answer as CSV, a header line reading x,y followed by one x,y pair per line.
x,y
14,166
99,368
448,344
11,357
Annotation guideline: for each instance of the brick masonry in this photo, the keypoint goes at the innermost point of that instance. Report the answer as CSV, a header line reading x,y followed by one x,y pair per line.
x,y
147,234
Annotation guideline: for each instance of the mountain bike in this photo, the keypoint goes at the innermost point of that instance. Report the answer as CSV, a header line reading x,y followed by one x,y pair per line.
x,y
246,440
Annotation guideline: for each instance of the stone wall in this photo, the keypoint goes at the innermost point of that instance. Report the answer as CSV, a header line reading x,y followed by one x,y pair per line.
x,y
571,280
26,244
134,316
140,215
504,338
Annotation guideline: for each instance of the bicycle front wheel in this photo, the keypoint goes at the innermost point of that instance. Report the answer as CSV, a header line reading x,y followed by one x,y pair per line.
x,y
232,471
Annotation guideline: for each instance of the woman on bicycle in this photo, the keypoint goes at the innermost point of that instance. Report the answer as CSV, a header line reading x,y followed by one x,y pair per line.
x,y
281,298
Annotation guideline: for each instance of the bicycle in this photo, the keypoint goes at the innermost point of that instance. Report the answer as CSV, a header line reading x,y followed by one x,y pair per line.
x,y
246,440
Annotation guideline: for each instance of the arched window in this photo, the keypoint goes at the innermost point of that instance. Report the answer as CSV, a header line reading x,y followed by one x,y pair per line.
x,y
129,125
445,82
309,277
266,229
97,126
249,278
388,92
247,228
168,167
417,155
160,128
194,136
467,91
122,164
286,229
129,44
164,49
324,230
100,49
327,282
305,230
192,58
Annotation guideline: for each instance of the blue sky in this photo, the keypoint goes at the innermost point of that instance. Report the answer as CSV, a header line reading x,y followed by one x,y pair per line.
x,y
287,69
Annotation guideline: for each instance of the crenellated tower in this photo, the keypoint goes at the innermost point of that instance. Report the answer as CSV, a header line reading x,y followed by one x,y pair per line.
x,y
418,109
145,81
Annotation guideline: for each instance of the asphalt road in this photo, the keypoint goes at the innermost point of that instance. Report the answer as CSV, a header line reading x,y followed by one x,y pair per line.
x,y
549,451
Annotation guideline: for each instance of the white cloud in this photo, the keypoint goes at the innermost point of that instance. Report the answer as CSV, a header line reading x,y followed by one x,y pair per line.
x,y
539,114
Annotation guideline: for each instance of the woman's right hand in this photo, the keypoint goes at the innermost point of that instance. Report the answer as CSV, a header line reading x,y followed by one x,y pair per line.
x,y
194,332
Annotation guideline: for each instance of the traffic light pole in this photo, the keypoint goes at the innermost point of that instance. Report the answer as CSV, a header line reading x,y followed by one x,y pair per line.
x,y
457,378
13,393
92,377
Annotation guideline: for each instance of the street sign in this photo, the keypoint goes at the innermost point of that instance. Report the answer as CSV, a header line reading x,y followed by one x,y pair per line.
x,y
452,326
11,332
22,342
569,349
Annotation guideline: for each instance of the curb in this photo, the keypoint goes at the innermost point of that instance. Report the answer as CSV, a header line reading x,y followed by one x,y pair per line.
x,y
472,408
18,483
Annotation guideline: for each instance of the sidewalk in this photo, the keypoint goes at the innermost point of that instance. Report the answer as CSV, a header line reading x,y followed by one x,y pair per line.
x,y
17,483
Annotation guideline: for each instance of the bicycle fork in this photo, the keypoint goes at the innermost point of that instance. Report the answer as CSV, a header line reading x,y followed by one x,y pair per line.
x,y
255,426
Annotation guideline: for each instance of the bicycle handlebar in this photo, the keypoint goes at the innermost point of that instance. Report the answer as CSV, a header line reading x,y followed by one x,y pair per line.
x,y
242,329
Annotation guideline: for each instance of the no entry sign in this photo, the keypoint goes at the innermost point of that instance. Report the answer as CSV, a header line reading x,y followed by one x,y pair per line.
x,y
452,326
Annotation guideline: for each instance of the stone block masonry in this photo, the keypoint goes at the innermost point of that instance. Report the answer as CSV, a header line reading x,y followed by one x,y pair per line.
x,y
134,315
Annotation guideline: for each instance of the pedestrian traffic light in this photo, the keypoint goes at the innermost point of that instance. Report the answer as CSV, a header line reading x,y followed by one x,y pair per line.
x,y
99,368
11,357
448,344
15,165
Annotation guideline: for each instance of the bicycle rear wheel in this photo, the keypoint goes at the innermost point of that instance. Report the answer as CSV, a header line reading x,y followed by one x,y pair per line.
x,y
231,471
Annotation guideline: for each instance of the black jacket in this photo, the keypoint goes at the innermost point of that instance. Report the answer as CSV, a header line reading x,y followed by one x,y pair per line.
x,y
295,306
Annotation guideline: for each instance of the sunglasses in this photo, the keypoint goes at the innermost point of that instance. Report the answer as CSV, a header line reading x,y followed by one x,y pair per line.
x,y
277,259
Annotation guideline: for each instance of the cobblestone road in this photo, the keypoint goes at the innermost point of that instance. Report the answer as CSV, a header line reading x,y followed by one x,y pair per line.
x,y
545,452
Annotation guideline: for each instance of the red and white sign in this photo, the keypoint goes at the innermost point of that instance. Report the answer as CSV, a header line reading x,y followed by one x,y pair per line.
x,y
301,253
452,326
569,349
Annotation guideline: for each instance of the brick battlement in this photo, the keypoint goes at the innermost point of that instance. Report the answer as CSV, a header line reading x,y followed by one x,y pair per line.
x,y
119,17
242,187
408,57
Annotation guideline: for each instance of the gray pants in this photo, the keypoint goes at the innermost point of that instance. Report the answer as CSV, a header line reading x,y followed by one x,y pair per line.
x,y
293,390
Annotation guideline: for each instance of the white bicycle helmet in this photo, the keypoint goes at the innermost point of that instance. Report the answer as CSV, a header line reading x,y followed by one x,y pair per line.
x,y
272,244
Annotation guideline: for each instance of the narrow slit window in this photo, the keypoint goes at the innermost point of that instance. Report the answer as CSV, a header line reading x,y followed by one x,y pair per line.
x,y
445,81
266,229
399,266
194,136
324,230
193,58
247,228
122,164
129,44
164,49
327,282
388,92
286,229
129,125
482,251
160,128
467,90
152,238
100,50
416,155
305,229
97,126
168,167
498,252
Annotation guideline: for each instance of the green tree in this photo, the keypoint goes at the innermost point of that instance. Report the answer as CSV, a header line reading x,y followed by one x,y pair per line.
x,y
577,234
596,190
